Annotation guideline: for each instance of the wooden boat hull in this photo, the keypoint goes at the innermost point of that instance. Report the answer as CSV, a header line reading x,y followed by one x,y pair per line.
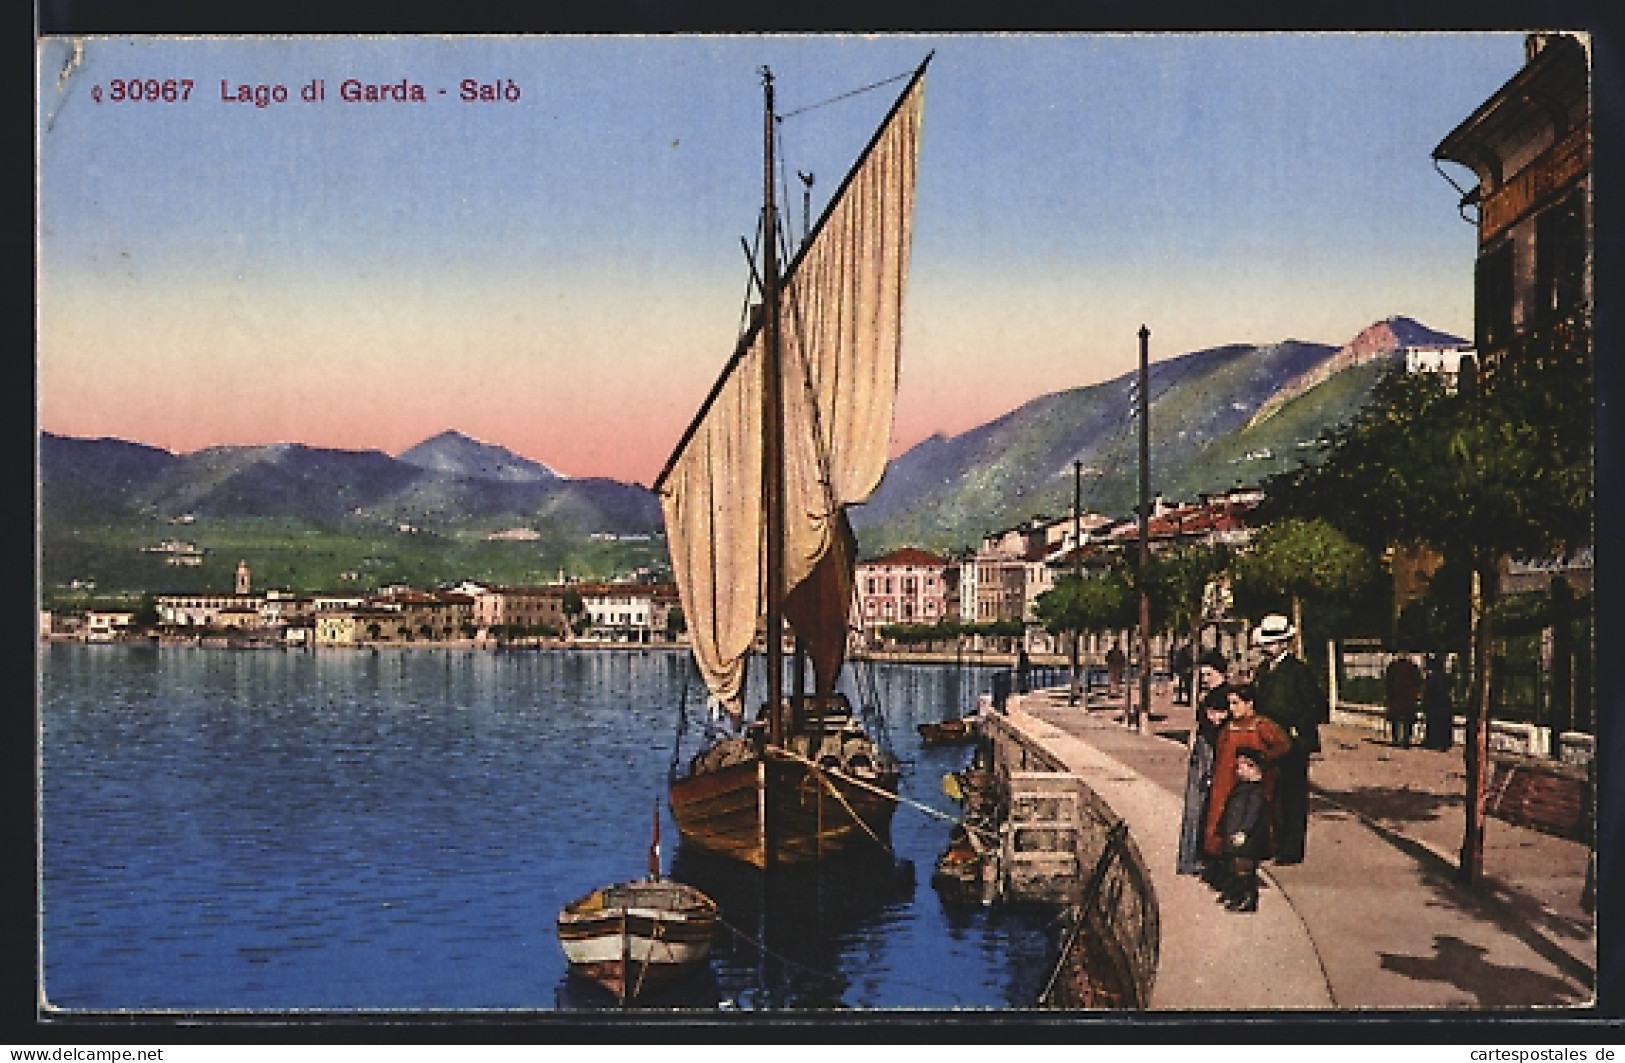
x,y
635,935
948,732
815,814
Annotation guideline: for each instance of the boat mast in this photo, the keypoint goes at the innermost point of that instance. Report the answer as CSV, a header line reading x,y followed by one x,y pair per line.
x,y
772,473
773,426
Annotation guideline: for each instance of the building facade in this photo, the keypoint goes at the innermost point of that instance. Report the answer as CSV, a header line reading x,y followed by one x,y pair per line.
x,y
907,586
530,609
1530,147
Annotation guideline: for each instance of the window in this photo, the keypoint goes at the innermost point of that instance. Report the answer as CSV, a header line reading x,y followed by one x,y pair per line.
x,y
1492,297
1560,252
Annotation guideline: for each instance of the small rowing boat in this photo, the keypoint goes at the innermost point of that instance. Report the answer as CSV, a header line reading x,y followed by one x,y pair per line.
x,y
948,732
630,936
633,935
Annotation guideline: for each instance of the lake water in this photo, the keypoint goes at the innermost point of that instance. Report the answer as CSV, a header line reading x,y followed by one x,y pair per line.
x,y
268,830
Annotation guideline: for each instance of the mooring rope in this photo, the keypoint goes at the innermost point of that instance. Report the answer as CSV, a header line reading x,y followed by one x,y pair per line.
x,y
790,754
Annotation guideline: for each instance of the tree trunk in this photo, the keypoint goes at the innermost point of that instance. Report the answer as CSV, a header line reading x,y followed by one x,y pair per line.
x,y
1072,697
1477,747
1297,627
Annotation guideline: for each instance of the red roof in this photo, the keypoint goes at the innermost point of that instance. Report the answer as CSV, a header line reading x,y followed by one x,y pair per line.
x,y
909,556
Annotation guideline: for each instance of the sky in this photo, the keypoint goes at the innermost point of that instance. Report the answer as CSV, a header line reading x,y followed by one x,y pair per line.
x,y
561,273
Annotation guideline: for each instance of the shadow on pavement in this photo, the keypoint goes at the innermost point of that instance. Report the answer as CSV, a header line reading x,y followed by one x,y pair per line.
x,y
1511,911
1462,964
1397,803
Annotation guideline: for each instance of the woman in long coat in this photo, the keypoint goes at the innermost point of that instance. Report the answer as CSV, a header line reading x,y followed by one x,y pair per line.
x,y
1246,729
1212,710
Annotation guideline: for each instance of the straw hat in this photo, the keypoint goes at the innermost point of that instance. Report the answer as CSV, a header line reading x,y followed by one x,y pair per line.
x,y
1272,629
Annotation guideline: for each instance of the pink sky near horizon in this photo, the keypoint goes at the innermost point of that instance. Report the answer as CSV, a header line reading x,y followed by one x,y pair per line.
x,y
213,274
574,381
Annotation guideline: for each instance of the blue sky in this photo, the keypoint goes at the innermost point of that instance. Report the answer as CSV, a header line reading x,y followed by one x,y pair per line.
x,y
562,274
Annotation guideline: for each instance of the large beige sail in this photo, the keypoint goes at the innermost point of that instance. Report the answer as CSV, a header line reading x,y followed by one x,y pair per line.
x,y
841,312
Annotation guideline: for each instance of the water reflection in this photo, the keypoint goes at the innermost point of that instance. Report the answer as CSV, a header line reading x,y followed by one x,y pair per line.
x,y
267,830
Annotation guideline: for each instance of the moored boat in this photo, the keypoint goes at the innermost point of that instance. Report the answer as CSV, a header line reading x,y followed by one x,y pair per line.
x,y
956,731
633,935
796,429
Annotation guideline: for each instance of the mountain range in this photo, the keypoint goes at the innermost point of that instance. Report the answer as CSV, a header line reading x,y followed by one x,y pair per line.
x,y
444,483
1219,416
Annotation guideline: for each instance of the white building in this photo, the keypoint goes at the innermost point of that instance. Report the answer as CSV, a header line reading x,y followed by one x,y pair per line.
x,y
1443,359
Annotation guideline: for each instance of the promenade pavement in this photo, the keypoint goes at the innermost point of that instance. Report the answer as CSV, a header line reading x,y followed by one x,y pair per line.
x,y
1374,918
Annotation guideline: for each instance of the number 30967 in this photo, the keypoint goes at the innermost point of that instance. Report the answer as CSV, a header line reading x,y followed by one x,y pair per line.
x,y
145,90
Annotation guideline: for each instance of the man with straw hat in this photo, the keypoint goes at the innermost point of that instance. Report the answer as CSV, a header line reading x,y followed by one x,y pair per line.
x,y
1289,695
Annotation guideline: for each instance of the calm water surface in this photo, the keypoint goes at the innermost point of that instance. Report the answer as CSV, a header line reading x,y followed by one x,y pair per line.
x,y
270,830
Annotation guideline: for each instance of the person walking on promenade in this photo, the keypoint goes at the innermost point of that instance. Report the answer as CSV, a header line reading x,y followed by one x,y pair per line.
x,y
1438,714
1211,716
1402,688
1246,729
1289,695
1180,664
1245,828
1115,663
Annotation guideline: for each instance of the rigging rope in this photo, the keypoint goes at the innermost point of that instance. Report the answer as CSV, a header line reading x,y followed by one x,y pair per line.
x,y
842,96
682,728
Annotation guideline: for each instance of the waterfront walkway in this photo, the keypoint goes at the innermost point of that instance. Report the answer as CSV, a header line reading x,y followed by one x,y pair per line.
x,y
1374,917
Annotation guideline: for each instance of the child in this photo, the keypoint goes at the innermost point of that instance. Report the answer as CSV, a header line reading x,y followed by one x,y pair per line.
x,y
1245,730
1245,828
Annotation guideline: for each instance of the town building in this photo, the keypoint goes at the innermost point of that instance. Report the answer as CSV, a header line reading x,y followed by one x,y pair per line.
x,y
210,610
354,626
994,582
107,625
907,586
528,610
1529,145
1444,360
628,612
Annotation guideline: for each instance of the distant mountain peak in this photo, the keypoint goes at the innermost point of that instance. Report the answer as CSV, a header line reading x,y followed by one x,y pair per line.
x,y
453,453
1385,339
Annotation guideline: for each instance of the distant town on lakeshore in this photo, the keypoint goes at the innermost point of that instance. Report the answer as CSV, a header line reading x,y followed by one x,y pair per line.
x,y
1223,419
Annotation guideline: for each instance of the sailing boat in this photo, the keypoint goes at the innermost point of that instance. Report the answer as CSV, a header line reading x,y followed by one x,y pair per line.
x,y
754,497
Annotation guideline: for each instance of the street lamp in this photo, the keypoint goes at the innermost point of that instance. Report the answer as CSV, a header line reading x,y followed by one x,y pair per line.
x,y
1134,716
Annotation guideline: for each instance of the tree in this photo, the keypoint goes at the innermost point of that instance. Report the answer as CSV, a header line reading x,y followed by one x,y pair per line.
x,y
1177,582
146,613
676,623
1094,602
573,608
1495,470
1296,559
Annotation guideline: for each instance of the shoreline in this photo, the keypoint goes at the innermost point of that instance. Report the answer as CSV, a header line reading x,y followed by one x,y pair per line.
x,y
972,658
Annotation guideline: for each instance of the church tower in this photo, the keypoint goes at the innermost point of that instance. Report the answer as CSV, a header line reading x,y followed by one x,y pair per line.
x,y
242,577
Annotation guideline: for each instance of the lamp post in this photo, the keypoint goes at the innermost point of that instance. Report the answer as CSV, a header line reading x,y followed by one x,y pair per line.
x,y
1077,566
1136,716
